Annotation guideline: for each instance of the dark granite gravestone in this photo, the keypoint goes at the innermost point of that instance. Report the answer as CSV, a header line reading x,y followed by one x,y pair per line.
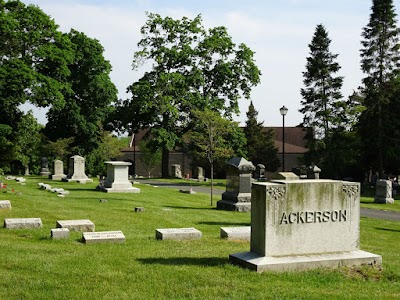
x,y
237,196
313,172
44,170
260,172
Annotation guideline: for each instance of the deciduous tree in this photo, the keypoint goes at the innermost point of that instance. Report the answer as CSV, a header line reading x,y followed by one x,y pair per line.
x,y
191,68
211,138
90,99
34,59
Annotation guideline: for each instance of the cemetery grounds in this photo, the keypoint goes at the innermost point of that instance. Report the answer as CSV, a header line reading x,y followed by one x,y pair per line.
x,y
34,266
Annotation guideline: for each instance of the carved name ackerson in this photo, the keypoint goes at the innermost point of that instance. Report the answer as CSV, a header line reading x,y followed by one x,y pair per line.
x,y
314,217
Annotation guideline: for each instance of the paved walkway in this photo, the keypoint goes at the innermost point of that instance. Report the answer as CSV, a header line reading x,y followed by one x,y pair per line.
x,y
365,212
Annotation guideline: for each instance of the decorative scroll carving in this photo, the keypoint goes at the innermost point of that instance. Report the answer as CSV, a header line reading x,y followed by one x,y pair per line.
x,y
351,190
276,193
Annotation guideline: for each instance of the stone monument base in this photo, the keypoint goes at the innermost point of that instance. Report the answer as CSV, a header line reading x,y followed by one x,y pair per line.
x,y
82,180
258,263
234,206
383,200
118,190
57,177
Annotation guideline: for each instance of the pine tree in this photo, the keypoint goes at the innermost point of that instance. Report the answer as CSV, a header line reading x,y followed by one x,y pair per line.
x,y
260,142
380,59
322,89
322,101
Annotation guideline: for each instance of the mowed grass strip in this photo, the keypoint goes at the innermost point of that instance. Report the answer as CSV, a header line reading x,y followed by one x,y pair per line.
x,y
33,266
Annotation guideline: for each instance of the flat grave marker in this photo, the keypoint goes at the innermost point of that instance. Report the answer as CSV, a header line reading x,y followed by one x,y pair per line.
x,y
103,237
178,234
19,223
59,233
76,225
235,233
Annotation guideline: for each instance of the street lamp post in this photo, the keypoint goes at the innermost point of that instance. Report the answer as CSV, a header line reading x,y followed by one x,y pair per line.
x,y
283,110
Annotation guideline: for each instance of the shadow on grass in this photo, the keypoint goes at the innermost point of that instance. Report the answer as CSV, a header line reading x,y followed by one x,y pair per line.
x,y
182,261
224,223
188,207
387,229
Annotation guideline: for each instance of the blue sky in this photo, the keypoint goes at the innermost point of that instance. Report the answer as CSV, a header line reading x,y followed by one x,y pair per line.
x,y
278,31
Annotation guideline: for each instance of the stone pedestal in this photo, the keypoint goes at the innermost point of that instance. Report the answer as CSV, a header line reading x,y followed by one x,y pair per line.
x,y
58,170
76,170
304,224
383,192
117,180
237,196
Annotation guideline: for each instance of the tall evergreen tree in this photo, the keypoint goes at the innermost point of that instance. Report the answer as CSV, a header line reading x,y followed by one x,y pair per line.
x,y
260,144
322,104
322,89
380,57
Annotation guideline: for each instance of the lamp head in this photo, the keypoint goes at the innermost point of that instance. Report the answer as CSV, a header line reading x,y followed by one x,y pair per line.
x,y
283,110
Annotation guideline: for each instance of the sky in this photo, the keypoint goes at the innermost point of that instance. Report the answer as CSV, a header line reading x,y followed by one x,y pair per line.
x,y
279,33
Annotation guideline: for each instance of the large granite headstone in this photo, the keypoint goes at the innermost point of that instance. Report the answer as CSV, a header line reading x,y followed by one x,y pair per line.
x,y
237,196
44,170
58,170
383,192
304,224
76,170
117,180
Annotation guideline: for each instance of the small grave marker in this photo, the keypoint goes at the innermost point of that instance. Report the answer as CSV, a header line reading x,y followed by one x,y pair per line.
x,y
103,237
5,204
18,223
76,225
178,234
59,233
235,233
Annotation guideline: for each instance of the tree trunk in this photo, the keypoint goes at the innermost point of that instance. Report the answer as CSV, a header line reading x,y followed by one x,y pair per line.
x,y
165,163
212,182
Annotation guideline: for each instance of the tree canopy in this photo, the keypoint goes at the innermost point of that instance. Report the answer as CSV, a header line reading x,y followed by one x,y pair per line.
x,y
213,137
324,110
90,99
260,144
34,58
380,61
191,68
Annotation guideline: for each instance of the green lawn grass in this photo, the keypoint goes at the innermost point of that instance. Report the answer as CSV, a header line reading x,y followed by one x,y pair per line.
x,y
33,266
217,183
367,200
